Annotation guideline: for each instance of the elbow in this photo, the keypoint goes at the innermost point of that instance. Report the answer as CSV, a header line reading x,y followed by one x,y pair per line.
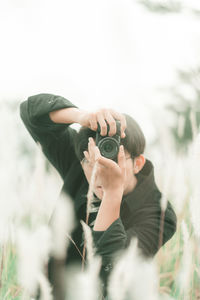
x,y
24,114
23,110
171,223
170,228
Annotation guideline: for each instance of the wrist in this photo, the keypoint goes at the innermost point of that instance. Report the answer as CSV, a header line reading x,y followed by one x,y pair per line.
x,y
82,118
76,114
113,196
114,192
109,211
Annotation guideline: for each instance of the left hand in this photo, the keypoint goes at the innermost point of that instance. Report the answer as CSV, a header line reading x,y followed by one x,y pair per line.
x,y
110,175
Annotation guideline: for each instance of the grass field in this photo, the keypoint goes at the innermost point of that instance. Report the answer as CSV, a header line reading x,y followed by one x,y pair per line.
x,y
172,262
26,239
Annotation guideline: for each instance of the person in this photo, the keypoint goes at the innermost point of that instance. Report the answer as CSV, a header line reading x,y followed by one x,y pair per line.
x,y
126,199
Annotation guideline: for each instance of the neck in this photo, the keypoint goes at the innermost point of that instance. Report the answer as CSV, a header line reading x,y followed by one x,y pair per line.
x,y
131,186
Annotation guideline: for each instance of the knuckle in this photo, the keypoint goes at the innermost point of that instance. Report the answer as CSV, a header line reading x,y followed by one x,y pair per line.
x,y
112,123
92,116
93,124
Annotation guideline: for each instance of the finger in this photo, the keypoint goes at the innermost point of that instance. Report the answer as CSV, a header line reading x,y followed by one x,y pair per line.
x,y
91,139
122,120
112,123
122,158
93,121
123,126
91,146
86,154
97,153
102,123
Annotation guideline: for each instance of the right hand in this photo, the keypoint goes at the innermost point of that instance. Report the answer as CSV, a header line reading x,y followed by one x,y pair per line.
x,y
90,119
111,176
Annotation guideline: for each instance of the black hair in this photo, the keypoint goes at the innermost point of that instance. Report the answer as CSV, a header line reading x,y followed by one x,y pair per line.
x,y
134,142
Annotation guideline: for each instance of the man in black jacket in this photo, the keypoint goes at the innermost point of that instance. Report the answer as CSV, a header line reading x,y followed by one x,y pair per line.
x,y
127,199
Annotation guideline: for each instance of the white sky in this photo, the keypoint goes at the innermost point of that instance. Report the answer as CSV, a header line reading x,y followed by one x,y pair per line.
x,y
108,53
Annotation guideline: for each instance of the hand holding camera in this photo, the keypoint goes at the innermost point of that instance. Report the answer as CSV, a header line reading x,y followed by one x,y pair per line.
x,y
110,175
106,149
104,117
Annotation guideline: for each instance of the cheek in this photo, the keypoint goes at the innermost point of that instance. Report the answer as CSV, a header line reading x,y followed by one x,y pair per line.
x,y
128,176
129,171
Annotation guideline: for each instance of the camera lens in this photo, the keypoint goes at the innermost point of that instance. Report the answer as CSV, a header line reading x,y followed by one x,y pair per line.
x,y
108,147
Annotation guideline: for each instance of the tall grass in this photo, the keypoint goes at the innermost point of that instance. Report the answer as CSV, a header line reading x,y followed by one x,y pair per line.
x,y
29,234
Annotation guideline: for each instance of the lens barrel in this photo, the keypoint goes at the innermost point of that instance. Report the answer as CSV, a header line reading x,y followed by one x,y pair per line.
x,y
109,146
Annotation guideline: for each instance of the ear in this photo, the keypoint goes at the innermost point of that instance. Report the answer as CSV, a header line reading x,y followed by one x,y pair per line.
x,y
139,162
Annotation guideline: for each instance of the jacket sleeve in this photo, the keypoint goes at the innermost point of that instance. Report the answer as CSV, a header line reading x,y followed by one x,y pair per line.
x,y
56,139
111,242
108,245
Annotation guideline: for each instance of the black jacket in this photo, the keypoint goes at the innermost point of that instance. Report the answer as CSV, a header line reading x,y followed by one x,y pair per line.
x,y
140,211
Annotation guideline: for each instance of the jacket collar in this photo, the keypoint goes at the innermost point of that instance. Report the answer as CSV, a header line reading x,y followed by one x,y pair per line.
x,y
143,189
135,199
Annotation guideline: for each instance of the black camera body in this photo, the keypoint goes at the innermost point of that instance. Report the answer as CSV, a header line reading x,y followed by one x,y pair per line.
x,y
109,145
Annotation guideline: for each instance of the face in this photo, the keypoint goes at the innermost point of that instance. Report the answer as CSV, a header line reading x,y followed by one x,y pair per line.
x,y
130,180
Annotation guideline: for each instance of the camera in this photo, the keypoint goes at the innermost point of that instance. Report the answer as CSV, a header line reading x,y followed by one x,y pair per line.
x,y
109,145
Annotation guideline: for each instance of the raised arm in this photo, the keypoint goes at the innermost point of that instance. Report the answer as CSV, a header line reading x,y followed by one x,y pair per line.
x,y
47,118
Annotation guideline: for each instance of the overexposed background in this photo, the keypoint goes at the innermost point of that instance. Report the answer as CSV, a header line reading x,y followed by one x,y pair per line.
x,y
136,56
96,53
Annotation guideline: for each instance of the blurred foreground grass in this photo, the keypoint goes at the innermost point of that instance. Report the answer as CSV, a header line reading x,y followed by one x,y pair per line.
x,y
169,262
10,288
30,201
